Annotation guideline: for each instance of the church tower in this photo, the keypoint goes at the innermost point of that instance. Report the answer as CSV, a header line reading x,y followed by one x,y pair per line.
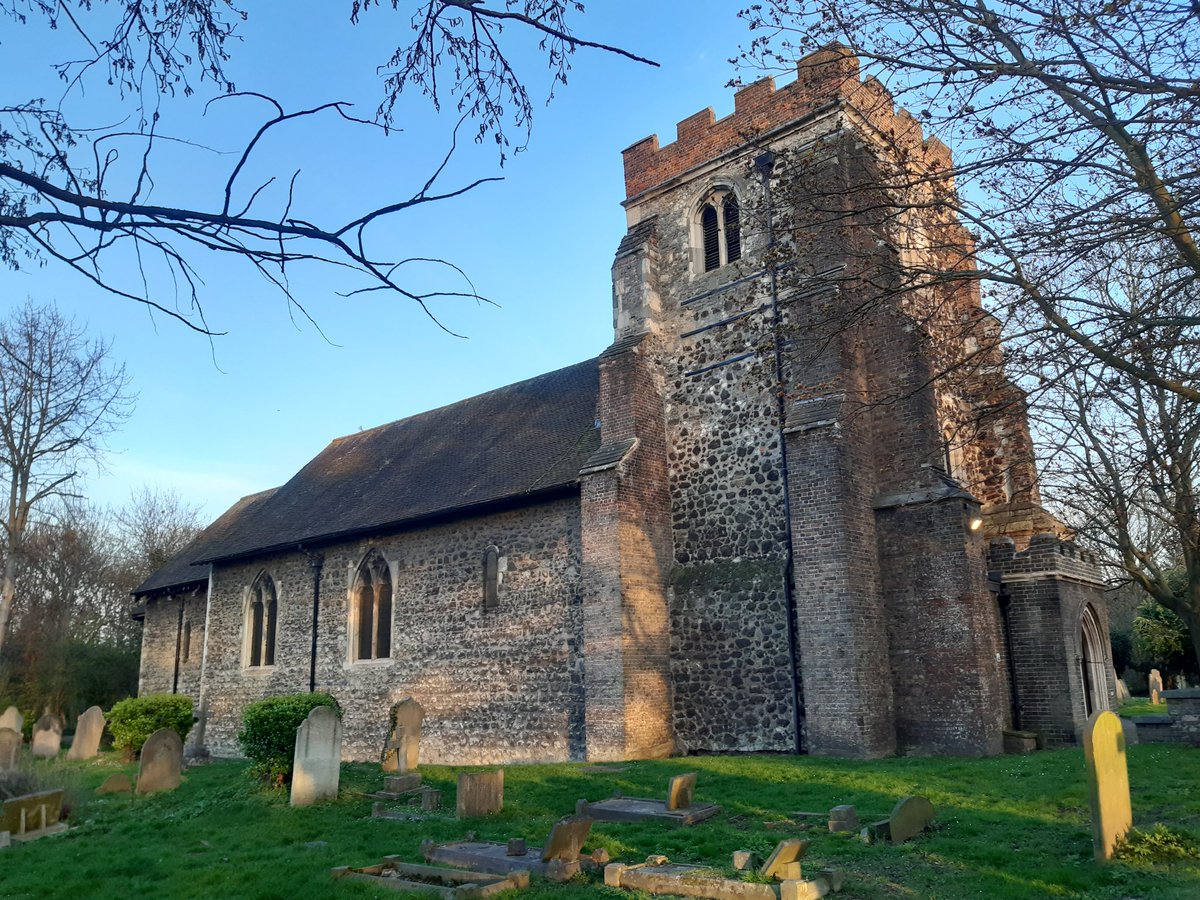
x,y
805,566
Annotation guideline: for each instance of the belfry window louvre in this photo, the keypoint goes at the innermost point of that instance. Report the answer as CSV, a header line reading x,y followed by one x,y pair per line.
x,y
720,230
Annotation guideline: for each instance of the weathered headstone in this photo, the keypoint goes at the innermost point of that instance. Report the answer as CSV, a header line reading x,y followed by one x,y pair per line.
x,y
843,818
32,815
403,749
910,817
162,760
744,860
1123,693
12,718
116,784
566,838
680,791
785,852
317,762
88,731
1156,686
47,737
1108,781
431,800
480,793
10,748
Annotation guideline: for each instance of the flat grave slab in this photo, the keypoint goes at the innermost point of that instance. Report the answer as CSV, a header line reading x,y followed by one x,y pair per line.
x,y
559,860
658,875
452,884
641,809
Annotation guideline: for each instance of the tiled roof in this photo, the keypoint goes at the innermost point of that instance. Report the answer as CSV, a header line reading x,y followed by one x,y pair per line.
x,y
518,441
179,571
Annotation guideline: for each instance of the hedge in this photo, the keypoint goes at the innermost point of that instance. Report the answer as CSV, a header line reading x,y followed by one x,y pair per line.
x,y
133,720
268,735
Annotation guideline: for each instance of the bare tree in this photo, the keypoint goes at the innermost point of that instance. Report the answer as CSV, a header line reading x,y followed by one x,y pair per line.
x,y
1074,127
1123,454
75,195
60,397
152,528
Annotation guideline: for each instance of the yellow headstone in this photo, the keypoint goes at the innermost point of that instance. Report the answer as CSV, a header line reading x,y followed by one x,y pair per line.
x,y
1108,782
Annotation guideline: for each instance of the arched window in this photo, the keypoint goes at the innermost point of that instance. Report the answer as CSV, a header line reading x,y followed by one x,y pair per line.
x,y
262,615
720,229
371,609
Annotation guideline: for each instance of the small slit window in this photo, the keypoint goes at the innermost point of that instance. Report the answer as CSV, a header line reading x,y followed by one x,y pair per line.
x,y
371,610
262,614
720,230
491,578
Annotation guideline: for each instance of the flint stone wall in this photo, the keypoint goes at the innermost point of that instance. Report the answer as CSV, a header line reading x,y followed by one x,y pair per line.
x,y
162,639
500,685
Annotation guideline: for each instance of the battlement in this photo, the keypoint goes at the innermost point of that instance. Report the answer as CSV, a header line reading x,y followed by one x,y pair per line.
x,y
1046,554
829,75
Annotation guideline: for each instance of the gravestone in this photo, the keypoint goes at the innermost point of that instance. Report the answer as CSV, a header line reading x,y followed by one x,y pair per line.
x,y
47,737
317,763
680,791
480,793
32,815
116,784
1156,687
88,731
403,749
1108,782
785,853
1123,693
910,817
843,818
13,719
162,760
566,838
10,748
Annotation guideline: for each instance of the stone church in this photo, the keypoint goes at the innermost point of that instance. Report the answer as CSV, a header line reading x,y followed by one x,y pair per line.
x,y
792,507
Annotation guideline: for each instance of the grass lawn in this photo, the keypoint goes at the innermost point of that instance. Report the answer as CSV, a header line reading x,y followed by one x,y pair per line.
x,y
1141,706
1014,826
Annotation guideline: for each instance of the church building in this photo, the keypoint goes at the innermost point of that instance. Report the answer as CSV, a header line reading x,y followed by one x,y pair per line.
x,y
792,507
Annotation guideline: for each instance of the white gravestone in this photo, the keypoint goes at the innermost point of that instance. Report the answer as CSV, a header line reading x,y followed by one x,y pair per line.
x,y
316,765
88,731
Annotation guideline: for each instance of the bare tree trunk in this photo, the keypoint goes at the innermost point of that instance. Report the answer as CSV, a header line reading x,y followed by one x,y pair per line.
x,y
8,589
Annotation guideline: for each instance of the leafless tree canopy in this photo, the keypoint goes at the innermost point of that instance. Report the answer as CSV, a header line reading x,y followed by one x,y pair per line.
x,y
1074,128
60,397
71,195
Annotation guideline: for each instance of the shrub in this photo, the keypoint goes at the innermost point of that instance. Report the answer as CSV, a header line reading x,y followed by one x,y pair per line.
x,y
1159,844
268,735
133,720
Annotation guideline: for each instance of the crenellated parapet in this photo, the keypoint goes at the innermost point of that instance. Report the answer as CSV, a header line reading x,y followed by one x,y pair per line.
x,y
1047,554
829,76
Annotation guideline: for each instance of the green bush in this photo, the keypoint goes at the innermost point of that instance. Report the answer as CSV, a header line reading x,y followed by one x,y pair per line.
x,y
268,735
133,720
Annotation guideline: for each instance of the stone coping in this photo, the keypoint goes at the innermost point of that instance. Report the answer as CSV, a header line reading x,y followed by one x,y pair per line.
x,y
1153,720
1182,694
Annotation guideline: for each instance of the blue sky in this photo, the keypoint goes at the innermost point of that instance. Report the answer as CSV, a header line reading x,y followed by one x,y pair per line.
x,y
218,420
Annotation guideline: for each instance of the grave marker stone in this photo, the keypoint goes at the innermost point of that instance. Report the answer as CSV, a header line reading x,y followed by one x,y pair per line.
x,y
480,793
13,719
680,791
317,762
47,737
566,838
1156,687
1123,693
116,784
32,815
1108,782
910,817
88,731
10,748
162,760
843,818
785,852
403,749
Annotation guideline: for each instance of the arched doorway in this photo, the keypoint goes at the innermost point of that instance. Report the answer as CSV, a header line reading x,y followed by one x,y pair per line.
x,y
1093,662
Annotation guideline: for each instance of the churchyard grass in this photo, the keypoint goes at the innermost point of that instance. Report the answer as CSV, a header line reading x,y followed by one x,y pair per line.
x,y
1014,826
1141,706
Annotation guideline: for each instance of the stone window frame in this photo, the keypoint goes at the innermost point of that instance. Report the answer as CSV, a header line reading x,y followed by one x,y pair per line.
x,y
260,655
379,572
716,196
1091,630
